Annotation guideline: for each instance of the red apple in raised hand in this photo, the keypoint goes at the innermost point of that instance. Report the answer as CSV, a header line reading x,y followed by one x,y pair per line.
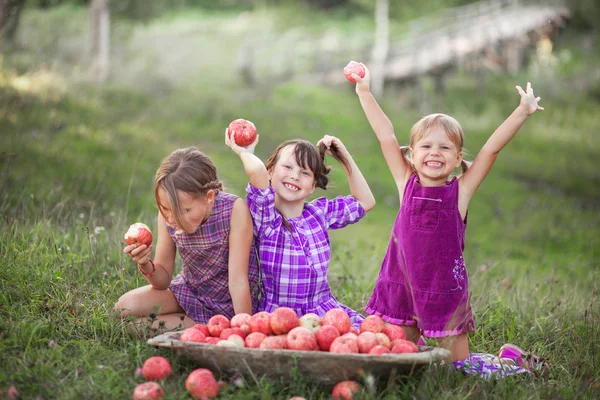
x,y
138,234
242,131
354,67
148,391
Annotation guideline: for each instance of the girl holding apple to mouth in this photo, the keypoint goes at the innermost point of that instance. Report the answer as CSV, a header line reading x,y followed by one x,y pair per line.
x,y
423,284
212,231
291,233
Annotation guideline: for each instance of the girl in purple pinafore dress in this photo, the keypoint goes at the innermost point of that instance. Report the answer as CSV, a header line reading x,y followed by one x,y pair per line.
x,y
212,231
423,284
292,237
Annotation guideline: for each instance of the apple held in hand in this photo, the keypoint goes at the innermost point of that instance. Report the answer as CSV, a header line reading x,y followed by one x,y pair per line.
x,y
354,67
243,132
138,234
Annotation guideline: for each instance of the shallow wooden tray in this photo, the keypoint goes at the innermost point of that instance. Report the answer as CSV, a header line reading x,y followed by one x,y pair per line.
x,y
319,366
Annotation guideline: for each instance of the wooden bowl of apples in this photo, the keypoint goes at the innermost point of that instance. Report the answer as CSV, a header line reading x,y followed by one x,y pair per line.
x,y
325,350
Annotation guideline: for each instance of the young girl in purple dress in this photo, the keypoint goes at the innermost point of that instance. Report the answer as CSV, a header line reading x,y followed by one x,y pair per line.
x,y
291,233
423,283
212,231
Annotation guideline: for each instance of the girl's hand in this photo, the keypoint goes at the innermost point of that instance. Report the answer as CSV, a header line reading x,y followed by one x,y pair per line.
x,y
362,84
529,103
328,141
139,254
239,149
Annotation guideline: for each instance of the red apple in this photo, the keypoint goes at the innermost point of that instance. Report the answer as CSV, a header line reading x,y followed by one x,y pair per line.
x,y
261,322
310,321
297,398
366,341
241,321
373,323
202,328
148,391
345,390
379,349
283,320
394,332
344,345
301,338
243,131
156,368
404,346
237,340
138,234
338,318
274,343
217,324
383,340
326,335
212,340
254,339
192,335
232,331
353,67
201,384
354,330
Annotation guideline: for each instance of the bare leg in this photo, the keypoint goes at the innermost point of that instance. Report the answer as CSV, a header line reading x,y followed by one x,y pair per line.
x,y
143,301
412,332
458,346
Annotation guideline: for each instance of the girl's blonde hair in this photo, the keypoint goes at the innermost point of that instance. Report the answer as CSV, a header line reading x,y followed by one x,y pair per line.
x,y
187,170
448,124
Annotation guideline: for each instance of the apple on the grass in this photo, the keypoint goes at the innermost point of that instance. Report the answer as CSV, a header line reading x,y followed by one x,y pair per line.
x,y
326,335
138,234
310,321
156,368
345,390
354,67
261,322
338,318
243,132
283,320
147,391
201,384
301,338
217,324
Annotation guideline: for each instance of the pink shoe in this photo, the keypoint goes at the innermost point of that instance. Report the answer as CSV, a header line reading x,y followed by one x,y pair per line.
x,y
522,358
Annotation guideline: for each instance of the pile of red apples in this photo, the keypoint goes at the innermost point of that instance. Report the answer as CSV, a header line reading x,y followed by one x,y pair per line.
x,y
282,329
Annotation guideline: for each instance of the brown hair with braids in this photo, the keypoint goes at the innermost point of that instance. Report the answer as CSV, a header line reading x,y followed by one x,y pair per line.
x,y
188,170
310,157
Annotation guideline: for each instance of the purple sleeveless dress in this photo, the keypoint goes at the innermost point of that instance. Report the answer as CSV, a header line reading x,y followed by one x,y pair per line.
x,y
423,279
201,288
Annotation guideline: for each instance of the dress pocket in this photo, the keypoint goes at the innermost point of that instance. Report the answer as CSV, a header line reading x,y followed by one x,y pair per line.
x,y
425,213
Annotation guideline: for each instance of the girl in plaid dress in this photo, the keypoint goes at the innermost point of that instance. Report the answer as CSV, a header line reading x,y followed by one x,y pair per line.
x,y
292,237
212,231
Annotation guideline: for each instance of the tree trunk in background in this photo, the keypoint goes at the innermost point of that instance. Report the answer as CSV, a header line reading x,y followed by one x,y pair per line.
x,y
10,11
382,46
100,38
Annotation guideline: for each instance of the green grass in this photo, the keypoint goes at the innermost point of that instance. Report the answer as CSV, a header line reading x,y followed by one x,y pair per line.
x,y
77,163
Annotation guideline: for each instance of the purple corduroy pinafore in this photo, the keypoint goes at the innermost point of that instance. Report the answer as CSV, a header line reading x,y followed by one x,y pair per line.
x,y
423,279
202,287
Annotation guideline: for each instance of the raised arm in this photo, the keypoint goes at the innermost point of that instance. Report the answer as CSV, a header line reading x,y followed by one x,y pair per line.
x,y
359,188
470,180
384,130
240,241
254,167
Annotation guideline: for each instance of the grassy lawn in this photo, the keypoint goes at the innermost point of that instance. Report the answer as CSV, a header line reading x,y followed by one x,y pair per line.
x,y
77,163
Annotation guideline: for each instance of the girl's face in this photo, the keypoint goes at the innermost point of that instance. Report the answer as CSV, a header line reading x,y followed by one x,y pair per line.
x,y
194,210
290,181
434,157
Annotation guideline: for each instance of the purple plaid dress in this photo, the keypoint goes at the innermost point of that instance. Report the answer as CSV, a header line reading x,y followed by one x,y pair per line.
x,y
423,278
294,264
201,288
